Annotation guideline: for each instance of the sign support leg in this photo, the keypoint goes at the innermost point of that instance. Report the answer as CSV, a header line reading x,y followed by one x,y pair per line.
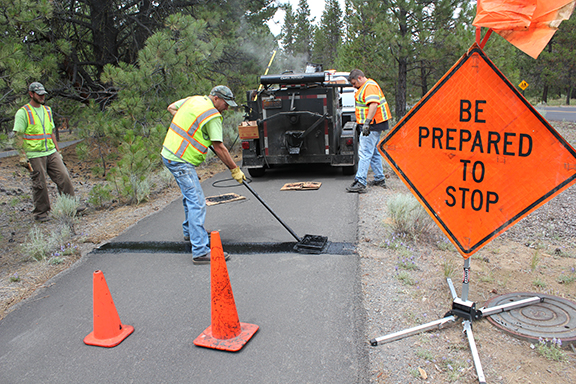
x,y
461,308
474,351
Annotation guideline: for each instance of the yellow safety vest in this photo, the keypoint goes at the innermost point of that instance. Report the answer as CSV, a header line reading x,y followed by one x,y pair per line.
x,y
185,138
38,136
363,101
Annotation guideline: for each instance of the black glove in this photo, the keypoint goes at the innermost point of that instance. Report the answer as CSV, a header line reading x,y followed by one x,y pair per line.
x,y
366,129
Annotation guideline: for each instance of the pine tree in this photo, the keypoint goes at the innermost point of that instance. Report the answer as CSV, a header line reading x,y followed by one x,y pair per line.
x,y
25,55
328,36
303,31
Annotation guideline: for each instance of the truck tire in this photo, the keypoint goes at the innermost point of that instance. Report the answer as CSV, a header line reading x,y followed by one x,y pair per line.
x,y
256,172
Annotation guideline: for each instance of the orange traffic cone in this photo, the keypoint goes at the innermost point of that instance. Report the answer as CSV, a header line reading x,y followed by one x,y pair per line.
x,y
108,331
226,333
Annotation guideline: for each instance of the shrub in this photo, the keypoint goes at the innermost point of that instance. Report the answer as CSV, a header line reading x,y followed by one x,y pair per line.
x,y
99,195
407,216
36,245
65,211
551,349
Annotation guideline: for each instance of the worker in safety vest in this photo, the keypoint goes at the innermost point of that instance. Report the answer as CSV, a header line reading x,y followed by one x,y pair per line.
x,y
372,115
197,125
39,151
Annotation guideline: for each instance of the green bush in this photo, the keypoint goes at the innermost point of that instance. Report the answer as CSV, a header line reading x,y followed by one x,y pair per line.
x,y
99,195
36,245
139,158
64,210
407,216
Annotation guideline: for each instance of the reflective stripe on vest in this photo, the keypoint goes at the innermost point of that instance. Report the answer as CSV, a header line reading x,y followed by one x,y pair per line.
x,y
181,138
36,131
362,104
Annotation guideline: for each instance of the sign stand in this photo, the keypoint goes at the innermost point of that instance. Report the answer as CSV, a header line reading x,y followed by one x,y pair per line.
x,y
461,308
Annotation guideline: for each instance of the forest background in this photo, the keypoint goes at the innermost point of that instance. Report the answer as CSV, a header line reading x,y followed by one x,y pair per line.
x,y
111,67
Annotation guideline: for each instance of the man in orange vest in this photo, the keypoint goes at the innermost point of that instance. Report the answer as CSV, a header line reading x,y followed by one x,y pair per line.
x,y
39,151
196,126
372,115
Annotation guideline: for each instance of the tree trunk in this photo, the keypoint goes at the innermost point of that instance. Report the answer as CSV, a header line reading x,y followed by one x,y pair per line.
x,y
104,33
402,66
568,93
423,78
401,88
545,94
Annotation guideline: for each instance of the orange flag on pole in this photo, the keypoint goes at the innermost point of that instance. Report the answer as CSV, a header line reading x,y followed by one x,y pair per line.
x,y
527,24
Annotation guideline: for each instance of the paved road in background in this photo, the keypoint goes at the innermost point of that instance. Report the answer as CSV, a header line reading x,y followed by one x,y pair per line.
x,y
308,307
562,113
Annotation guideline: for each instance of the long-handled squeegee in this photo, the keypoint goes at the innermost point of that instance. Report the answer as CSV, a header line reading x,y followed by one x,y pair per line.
x,y
307,244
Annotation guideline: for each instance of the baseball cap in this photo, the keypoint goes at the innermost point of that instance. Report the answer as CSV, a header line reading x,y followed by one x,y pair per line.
x,y
225,94
37,88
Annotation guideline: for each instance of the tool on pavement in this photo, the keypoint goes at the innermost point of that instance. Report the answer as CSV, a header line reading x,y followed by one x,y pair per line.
x,y
307,244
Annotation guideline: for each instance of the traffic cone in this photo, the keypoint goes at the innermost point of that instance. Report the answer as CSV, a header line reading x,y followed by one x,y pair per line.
x,y
108,331
226,333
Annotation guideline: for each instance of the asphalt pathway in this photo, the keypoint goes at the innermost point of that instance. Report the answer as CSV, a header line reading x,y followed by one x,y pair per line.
x,y
308,307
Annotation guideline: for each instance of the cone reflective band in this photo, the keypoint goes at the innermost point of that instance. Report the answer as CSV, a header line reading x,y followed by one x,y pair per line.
x,y
108,330
477,155
226,332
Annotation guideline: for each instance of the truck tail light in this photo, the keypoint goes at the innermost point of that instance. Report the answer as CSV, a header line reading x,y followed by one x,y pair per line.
x,y
349,141
245,145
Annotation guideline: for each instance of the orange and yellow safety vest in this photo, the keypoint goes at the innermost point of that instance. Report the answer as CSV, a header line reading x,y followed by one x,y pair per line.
x,y
38,134
185,138
368,93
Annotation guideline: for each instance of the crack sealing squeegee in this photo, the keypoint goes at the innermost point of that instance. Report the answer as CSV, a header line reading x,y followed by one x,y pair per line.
x,y
307,244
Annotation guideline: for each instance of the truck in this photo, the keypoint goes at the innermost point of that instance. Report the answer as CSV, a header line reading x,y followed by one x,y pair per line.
x,y
299,118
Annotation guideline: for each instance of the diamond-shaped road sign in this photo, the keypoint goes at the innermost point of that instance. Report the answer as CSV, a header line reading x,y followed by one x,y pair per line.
x,y
477,155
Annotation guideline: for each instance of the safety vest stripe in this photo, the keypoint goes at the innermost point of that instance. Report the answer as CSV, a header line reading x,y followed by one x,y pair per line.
x,y
49,112
188,137
186,141
372,99
41,136
30,115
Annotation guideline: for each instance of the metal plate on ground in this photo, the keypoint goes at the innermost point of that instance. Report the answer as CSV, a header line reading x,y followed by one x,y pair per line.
x,y
555,317
311,244
225,198
302,186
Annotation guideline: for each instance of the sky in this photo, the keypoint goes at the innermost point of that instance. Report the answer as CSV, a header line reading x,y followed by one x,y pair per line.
x,y
316,9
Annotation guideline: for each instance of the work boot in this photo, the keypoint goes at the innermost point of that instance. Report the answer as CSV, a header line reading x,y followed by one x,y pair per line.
x,y
206,259
357,187
377,183
43,217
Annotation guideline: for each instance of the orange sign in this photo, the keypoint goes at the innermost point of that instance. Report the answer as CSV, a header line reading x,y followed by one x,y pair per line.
x,y
477,155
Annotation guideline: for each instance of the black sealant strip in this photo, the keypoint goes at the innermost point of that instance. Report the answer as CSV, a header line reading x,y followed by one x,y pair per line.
x,y
232,248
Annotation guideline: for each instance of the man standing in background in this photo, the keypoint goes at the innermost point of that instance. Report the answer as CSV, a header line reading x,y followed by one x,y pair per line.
x,y
372,114
39,151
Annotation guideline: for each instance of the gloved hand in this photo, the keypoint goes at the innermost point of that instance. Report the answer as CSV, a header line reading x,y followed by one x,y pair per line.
x,y
238,175
366,129
23,161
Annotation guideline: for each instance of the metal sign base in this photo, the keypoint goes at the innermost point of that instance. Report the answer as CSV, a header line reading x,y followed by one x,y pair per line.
x,y
461,308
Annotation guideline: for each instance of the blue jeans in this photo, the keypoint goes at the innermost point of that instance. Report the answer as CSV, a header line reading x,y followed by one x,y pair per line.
x,y
369,157
194,205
